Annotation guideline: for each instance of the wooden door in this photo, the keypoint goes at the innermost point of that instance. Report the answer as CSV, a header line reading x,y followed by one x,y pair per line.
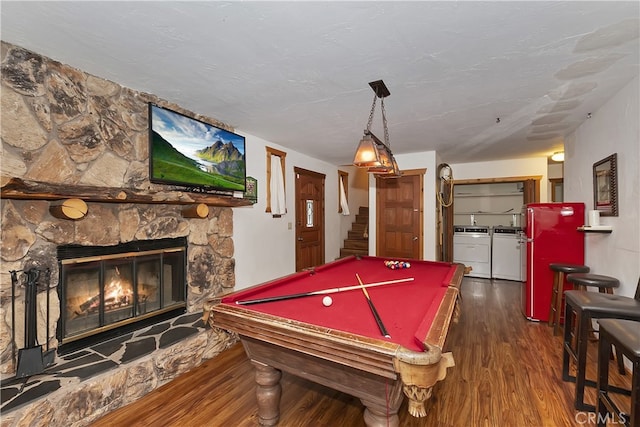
x,y
399,216
531,191
309,218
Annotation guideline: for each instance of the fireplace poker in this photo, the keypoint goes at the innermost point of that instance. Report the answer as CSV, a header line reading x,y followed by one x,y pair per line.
x,y
14,282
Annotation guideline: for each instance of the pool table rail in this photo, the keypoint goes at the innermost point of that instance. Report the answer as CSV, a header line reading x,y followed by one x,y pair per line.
x,y
360,352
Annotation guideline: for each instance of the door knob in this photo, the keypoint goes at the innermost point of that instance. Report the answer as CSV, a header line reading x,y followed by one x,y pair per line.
x,y
415,238
300,239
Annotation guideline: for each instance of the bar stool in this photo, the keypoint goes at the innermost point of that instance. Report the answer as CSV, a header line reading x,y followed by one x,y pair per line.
x,y
586,306
605,285
557,292
625,336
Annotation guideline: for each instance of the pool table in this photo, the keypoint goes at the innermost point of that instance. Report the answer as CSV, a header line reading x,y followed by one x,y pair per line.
x,y
341,345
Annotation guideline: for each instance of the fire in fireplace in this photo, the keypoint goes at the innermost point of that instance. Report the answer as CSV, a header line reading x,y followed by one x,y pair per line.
x,y
107,291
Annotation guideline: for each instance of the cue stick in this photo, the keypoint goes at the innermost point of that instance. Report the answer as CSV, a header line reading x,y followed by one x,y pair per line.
x,y
383,330
320,292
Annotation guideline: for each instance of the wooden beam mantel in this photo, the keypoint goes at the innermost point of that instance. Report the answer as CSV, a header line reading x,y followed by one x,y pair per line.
x,y
17,188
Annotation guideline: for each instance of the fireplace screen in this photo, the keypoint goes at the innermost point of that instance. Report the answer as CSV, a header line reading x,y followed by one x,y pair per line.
x,y
105,290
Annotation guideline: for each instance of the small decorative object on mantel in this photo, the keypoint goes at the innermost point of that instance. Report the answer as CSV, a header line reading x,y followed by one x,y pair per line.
x,y
251,192
73,209
605,185
196,211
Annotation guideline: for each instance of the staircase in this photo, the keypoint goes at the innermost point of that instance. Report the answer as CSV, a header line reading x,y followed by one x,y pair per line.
x,y
357,241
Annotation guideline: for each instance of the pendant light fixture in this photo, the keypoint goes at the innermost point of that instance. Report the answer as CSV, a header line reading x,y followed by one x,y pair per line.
x,y
373,153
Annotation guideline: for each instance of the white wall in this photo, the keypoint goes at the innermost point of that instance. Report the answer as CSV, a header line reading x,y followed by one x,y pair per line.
x,y
265,246
503,169
614,128
556,170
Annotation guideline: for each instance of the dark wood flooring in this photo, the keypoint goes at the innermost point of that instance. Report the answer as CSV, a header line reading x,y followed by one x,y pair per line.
x,y
507,373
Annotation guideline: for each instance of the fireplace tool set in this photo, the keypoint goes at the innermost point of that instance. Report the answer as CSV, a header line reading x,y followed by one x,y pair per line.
x,y
32,359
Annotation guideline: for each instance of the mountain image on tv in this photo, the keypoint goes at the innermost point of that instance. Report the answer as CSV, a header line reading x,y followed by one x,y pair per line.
x,y
223,166
191,153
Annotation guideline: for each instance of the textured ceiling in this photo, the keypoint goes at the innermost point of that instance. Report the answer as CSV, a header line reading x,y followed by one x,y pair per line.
x,y
297,73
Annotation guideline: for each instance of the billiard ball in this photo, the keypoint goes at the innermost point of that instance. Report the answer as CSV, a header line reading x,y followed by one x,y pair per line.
x,y
327,301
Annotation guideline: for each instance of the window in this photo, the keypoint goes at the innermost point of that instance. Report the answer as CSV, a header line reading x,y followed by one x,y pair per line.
x,y
276,188
343,192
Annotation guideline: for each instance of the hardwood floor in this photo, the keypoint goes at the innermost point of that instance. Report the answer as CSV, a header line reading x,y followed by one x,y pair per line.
x,y
507,373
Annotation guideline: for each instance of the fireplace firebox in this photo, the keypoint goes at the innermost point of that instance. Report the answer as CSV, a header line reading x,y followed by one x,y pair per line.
x,y
108,291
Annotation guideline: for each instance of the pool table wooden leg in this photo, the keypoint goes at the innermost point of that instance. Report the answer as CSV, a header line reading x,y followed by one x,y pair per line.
x,y
268,392
375,416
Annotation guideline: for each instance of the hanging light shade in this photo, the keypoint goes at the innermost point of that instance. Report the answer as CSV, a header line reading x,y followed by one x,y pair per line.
x,y
385,163
372,153
390,170
388,167
393,172
367,153
384,154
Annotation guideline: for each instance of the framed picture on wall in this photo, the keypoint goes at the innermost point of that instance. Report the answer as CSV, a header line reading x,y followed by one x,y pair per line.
x,y
605,186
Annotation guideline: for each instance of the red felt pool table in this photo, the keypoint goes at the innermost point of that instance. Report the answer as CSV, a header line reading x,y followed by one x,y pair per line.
x,y
341,346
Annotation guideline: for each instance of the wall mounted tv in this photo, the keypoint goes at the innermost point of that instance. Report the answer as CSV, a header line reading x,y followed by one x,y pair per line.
x,y
187,152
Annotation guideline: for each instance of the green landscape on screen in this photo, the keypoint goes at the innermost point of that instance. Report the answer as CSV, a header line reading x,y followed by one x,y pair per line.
x,y
172,166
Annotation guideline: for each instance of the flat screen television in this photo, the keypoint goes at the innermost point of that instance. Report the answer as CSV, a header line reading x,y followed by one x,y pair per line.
x,y
187,152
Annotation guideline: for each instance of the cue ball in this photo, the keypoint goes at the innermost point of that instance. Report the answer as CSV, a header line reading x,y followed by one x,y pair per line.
x,y
327,301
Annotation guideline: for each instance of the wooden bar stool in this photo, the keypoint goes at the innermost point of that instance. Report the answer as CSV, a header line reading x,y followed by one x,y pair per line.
x,y
585,306
557,291
581,281
625,336
605,285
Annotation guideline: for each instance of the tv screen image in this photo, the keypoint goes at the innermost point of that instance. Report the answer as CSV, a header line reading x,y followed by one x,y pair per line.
x,y
188,152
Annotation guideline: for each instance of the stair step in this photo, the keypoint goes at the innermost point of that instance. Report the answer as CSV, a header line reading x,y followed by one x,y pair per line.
x,y
356,235
362,219
356,244
348,252
359,228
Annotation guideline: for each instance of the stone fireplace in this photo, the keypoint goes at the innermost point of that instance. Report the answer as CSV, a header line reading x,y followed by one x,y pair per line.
x,y
71,134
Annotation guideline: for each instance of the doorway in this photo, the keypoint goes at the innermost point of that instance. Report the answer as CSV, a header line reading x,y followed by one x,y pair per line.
x,y
399,214
531,194
309,218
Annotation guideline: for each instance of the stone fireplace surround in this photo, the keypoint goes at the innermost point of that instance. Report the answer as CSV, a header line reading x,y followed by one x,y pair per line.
x,y
65,127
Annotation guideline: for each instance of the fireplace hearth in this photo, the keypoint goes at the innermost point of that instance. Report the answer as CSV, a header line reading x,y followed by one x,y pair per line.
x,y
108,291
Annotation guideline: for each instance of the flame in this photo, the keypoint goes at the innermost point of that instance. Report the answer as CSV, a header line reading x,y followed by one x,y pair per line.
x,y
117,291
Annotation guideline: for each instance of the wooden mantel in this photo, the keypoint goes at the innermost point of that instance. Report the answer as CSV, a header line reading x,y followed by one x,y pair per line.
x,y
17,188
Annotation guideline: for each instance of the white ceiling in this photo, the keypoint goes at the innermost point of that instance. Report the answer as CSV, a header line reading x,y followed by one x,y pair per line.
x,y
297,73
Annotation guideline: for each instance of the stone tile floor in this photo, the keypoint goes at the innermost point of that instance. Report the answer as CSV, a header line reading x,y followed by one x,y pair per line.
x,y
75,367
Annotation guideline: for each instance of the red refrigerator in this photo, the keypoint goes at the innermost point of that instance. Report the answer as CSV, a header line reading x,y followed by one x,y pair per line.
x,y
549,235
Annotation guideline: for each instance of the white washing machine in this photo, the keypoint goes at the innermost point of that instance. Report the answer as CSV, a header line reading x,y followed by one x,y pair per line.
x,y
506,261
472,247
